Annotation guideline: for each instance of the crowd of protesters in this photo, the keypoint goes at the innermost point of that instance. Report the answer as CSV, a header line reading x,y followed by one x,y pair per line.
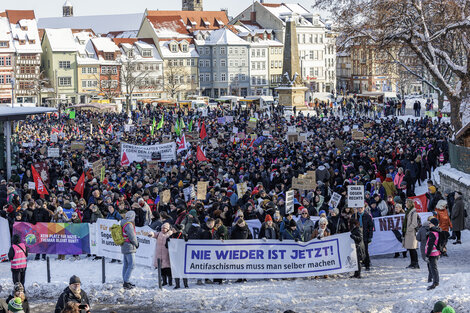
x,y
392,158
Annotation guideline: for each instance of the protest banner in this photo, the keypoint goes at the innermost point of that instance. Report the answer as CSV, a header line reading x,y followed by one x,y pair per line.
x,y
386,229
4,236
221,120
335,199
421,203
77,146
106,247
202,190
53,152
291,130
228,119
43,171
54,238
134,153
54,138
257,259
241,189
355,196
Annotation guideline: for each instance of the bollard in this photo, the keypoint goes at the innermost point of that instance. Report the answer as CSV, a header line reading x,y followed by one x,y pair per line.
x,y
103,270
48,270
159,263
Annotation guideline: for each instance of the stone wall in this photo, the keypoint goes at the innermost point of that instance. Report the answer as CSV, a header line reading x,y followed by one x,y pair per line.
x,y
449,184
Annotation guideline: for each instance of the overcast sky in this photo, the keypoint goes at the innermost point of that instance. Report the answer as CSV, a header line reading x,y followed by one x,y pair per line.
x,y
51,8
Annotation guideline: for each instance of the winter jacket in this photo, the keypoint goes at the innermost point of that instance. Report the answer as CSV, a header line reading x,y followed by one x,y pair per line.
x,y
221,233
161,249
289,234
68,296
367,226
25,304
444,220
409,237
390,189
356,235
269,232
305,227
317,234
458,215
398,180
241,232
383,208
114,216
422,236
133,244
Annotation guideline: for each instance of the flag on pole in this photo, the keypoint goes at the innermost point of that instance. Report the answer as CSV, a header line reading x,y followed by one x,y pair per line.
x,y
201,157
160,124
72,115
177,128
80,186
101,131
181,143
182,125
154,123
54,130
40,188
110,129
203,133
190,127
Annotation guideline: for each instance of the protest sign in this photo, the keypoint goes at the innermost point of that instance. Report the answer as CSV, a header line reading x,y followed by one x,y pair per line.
x,y
289,202
346,129
43,171
235,130
77,146
54,138
189,193
97,165
303,183
106,247
228,119
241,189
234,259
102,173
291,130
60,185
367,125
335,199
386,229
166,195
214,143
202,190
291,138
221,120
265,132
54,238
355,196
43,150
53,152
357,135
127,128
355,126
4,236
31,185
134,153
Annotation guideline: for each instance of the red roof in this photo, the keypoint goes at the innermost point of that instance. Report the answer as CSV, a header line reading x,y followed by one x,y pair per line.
x,y
272,5
194,19
172,22
131,41
14,16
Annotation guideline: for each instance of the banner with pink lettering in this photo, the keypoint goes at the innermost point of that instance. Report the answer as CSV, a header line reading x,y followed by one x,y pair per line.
x,y
387,233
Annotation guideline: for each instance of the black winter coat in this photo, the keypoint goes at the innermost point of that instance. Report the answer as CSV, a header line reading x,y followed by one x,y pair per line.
x,y
269,232
356,235
241,232
25,304
68,296
367,227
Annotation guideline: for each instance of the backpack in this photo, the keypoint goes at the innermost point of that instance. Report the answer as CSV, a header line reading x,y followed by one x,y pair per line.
x,y
117,234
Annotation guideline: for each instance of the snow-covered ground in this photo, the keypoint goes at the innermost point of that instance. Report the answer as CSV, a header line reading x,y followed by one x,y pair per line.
x,y
388,287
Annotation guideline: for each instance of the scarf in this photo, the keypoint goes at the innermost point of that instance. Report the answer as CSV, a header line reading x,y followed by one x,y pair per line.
x,y
405,222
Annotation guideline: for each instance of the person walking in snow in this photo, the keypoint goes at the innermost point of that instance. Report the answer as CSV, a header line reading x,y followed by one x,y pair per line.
x,y
433,253
18,256
129,248
458,217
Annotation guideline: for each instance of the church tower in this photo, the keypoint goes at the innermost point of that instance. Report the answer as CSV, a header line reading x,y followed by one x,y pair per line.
x,y
192,5
67,9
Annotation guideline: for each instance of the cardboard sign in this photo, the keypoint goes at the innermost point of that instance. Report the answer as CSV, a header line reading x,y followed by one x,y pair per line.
x,y
77,146
302,139
97,165
335,199
339,143
53,152
166,195
202,190
311,175
266,133
145,121
303,183
228,119
367,125
290,201
214,143
235,130
54,138
102,173
60,185
241,189
355,196
291,130
357,135
292,138
31,185
251,125
153,166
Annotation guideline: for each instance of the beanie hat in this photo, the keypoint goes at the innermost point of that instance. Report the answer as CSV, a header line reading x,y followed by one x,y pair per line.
x,y
18,287
432,189
439,306
292,223
193,212
448,309
434,221
130,215
15,305
268,218
74,280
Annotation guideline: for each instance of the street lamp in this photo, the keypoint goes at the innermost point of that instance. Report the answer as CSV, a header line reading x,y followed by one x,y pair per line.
x,y
12,82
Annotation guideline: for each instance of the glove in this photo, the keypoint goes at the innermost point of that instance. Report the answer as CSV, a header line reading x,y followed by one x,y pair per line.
x,y
280,238
319,237
264,239
186,238
296,239
369,240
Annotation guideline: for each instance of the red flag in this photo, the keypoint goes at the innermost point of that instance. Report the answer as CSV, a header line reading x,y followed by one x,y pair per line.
x,y
80,186
421,203
101,131
181,144
110,129
40,188
125,160
203,133
62,129
200,155
251,144
54,130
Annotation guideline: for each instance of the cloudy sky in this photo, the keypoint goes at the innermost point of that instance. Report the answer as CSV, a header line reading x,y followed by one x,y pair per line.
x,y
51,8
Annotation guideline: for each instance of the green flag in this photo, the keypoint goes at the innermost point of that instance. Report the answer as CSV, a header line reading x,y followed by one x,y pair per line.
x,y
190,127
182,125
152,130
72,115
177,128
160,124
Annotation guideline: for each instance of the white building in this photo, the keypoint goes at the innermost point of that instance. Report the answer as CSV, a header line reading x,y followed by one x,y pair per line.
x,y
317,51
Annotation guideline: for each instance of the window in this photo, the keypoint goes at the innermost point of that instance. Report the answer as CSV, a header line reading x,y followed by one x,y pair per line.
x,y
4,44
272,64
215,77
147,53
253,80
184,47
201,77
208,51
231,77
193,62
222,50
207,63
64,64
208,77
173,48
108,56
84,70
181,62
243,77
223,63
263,52
7,79
2,79
223,77
65,81
7,61
201,63
230,50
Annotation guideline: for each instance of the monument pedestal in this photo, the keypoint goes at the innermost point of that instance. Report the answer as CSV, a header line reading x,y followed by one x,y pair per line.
x,y
292,96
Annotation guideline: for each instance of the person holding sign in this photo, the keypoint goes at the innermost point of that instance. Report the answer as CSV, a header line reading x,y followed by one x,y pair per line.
x,y
409,229
367,226
161,252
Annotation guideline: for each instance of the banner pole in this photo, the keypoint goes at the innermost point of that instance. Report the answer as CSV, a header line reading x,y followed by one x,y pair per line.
x,y
159,264
103,270
48,270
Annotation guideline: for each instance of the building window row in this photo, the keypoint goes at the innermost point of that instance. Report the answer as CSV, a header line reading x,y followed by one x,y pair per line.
x,y
89,83
64,64
89,70
108,70
276,64
258,52
5,61
5,79
65,81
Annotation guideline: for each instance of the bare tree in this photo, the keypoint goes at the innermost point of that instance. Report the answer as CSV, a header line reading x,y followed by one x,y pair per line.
x,y
175,80
41,83
438,32
109,86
